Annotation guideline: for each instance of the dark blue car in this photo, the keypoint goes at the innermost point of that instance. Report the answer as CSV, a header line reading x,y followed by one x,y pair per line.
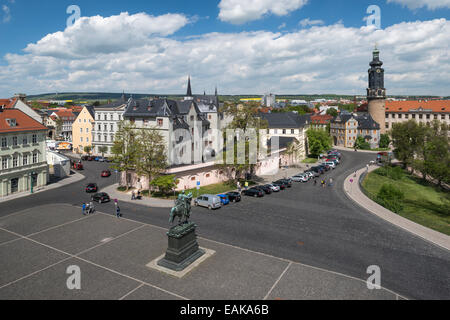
x,y
224,199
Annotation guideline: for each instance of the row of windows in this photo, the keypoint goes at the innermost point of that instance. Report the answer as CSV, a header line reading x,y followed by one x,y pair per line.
x,y
107,117
283,131
18,160
105,138
105,127
414,116
14,141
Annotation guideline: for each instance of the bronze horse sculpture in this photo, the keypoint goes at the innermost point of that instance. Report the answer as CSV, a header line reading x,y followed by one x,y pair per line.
x,y
182,208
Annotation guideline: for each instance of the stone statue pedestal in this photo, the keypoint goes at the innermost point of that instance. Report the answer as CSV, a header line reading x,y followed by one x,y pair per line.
x,y
183,248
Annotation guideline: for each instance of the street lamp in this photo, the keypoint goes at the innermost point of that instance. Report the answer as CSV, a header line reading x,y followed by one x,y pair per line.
x,y
32,174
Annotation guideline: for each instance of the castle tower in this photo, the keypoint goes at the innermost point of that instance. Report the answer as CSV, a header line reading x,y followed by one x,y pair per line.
x,y
376,93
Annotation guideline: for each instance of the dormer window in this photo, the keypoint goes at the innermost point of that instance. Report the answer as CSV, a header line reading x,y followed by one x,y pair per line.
x,y
11,122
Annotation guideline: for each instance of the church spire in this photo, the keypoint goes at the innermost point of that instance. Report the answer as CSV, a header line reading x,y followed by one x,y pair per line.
x,y
189,90
215,93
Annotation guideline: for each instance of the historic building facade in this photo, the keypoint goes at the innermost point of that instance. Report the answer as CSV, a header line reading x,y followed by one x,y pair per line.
x,y
82,129
23,161
422,111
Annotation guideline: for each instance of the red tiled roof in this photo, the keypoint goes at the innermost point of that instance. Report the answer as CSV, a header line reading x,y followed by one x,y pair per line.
x,y
321,119
23,122
65,114
8,103
440,106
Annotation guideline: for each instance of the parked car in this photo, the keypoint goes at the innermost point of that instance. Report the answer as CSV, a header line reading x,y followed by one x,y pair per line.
x,y
85,157
90,158
310,174
325,167
209,201
318,170
101,159
78,166
274,188
224,199
335,160
106,173
280,184
253,192
265,189
287,182
331,164
91,187
101,197
313,173
300,178
234,196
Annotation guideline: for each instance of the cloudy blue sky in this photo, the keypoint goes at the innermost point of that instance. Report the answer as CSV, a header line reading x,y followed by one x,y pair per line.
x,y
243,47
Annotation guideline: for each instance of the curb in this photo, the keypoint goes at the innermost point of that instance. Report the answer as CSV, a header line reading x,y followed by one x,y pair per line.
x,y
358,196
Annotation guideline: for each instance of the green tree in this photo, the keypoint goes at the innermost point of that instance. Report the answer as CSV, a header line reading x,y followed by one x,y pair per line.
x,y
125,150
103,150
361,143
318,141
164,183
437,159
384,140
151,153
332,112
87,149
406,137
245,119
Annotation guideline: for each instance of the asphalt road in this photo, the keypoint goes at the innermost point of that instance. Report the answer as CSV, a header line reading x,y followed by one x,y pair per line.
x,y
306,224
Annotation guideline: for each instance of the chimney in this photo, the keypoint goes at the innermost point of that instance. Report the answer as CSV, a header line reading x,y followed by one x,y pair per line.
x,y
20,96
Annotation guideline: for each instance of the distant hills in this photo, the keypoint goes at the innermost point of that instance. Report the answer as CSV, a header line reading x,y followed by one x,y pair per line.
x,y
102,96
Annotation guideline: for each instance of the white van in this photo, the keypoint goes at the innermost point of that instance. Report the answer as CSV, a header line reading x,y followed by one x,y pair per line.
x,y
208,201
331,164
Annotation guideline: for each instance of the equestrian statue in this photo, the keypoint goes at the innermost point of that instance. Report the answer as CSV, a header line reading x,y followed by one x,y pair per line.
x,y
182,208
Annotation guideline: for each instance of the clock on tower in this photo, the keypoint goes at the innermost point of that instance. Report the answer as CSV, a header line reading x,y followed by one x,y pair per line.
x,y
376,88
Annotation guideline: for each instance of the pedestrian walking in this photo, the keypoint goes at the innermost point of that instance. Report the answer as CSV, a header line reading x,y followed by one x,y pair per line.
x,y
246,185
84,208
315,181
367,167
116,203
139,195
133,197
323,183
91,207
118,214
239,186
331,182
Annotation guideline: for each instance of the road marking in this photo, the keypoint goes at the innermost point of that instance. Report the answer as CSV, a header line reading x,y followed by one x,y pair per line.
x,y
137,288
87,261
276,282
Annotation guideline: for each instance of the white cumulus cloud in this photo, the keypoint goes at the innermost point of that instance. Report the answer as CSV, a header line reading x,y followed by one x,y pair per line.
x,y
416,4
94,35
323,59
239,12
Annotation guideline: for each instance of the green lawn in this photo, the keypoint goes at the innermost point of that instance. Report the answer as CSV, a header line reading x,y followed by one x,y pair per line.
x,y
310,160
424,203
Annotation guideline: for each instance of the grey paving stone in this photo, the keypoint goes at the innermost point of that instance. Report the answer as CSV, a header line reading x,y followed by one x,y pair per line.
x,y
231,273
23,257
81,235
307,283
51,284
40,218
6,236
149,293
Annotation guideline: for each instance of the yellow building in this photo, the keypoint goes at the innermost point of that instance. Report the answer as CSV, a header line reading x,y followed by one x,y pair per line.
x,y
82,129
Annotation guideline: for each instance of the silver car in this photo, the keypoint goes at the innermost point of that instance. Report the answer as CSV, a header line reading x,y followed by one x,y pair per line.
x,y
300,178
273,187
209,201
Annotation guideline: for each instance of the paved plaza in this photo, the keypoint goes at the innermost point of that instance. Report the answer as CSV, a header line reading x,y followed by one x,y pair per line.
x,y
37,246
